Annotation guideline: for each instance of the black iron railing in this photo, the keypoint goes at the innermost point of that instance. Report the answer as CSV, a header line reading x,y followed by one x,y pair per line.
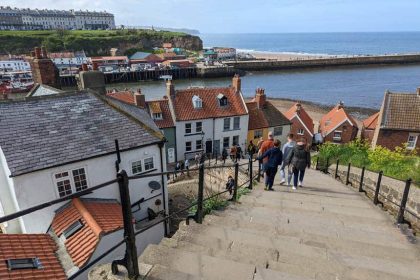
x,y
323,166
130,258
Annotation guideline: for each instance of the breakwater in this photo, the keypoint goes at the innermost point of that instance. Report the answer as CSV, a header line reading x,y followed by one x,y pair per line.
x,y
266,65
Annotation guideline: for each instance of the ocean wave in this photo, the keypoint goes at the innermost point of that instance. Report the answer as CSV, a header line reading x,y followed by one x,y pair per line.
x,y
286,53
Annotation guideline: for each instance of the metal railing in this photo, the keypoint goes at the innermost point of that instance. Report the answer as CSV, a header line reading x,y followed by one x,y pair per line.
x,y
130,261
402,209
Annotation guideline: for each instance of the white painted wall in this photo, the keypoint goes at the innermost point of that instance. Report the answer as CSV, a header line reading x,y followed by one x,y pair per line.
x,y
182,138
38,187
15,65
241,132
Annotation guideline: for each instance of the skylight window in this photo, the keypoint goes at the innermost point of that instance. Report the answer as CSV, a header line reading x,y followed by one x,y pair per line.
x,y
72,229
197,102
25,263
222,99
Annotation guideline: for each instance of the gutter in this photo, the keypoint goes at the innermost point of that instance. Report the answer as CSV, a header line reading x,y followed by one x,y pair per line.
x,y
166,225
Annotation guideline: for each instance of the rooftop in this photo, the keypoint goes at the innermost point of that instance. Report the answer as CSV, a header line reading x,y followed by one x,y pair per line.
x,y
53,130
334,118
371,122
401,111
268,116
298,110
22,246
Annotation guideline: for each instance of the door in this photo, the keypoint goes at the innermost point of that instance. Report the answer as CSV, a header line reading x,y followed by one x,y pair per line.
x,y
216,148
171,155
209,147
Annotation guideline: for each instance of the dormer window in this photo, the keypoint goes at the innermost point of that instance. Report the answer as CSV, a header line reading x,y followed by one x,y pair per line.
x,y
157,116
197,102
222,100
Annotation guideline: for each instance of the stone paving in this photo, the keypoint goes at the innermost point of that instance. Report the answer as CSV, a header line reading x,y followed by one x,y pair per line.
x,y
324,230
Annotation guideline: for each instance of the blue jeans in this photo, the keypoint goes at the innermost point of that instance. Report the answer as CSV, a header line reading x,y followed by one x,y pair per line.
x,y
283,173
297,173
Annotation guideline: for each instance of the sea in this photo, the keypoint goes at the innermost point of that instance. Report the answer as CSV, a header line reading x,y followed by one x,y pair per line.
x,y
361,86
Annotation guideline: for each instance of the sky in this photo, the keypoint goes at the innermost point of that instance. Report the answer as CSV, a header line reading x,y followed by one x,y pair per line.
x,y
252,16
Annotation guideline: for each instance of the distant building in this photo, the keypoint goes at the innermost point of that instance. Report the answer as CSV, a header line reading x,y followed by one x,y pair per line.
x,y
14,65
265,117
368,127
208,119
209,54
28,19
225,53
337,126
183,63
68,60
111,61
398,121
302,123
141,58
171,56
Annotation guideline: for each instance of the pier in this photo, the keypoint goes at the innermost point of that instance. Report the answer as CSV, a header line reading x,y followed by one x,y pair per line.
x,y
267,65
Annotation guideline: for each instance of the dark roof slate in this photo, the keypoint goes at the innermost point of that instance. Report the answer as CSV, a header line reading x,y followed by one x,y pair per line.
x,y
43,132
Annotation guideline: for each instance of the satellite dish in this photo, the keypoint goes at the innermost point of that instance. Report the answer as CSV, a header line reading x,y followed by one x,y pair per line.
x,y
154,185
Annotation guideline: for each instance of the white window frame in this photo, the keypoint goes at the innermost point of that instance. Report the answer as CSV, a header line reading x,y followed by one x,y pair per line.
x,y
413,146
190,146
278,128
336,137
260,133
189,128
237,120
198,144
301,131
157,116
196,127
226,121
233,140
69,177
228,142
153,163
141,167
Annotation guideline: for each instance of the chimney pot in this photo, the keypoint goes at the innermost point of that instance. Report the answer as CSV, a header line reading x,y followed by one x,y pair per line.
x,y
140,99
260,98
236,82
170,89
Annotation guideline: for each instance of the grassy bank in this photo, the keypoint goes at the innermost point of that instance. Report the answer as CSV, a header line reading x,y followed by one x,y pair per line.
x,y
400,164
94,42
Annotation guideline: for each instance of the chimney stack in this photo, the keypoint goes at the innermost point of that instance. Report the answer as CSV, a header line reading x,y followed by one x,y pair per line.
x,y
37,52
170,90
260,97
84,67
44,70
44,52
140,99
298,107
236,83
95,66
418,91
340,105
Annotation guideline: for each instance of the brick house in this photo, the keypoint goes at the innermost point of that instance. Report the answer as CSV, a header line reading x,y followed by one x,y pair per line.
x,y
302,123
368,127
337,126
398,121
264,117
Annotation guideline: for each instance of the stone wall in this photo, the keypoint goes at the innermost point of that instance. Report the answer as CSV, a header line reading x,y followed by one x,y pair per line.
x,y
391,191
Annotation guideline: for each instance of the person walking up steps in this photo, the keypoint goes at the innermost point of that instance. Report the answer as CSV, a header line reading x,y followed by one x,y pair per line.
x,y
299,158
287,148
265,146
274,159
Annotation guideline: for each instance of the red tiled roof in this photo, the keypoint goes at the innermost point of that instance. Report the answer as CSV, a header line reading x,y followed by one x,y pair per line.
x,y
257,118
370,123
184,109
303,116
124,96
166,120
333,118
98,217
18,246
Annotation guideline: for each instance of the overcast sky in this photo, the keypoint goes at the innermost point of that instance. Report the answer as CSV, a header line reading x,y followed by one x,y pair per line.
x,y
252,16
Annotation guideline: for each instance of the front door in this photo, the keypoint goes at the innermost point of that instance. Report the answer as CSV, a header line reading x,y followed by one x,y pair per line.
x,y
208,147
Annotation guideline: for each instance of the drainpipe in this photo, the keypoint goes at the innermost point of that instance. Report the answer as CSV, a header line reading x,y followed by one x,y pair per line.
x,y
161,146
16,205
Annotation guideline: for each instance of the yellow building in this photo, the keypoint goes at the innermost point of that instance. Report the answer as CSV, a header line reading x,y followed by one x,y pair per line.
x,y
265,117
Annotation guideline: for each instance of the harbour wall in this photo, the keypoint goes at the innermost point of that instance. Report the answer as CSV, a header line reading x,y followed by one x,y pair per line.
x,y
266,65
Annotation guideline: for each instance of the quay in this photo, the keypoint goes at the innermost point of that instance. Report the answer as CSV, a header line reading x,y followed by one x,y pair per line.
x,y
267,65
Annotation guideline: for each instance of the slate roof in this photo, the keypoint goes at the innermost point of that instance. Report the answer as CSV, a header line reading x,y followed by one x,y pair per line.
x,y
268,116
42,246
303,116
99,217
43,132
371,122
184,109
401,111
333,118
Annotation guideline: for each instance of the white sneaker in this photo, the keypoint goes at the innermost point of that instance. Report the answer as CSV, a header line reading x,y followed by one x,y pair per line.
x,y
294,188
300,184
282,182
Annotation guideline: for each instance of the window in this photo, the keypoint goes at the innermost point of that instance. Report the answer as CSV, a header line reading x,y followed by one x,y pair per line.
x,y
337,136
198,126
79,178
136,167
235,140
226,142
148,164
258,134
157,116
412,141
13,264
197,102
187,128
188,146
198,145
222,100
67,184
226,124
236,122
278,131
300,131
72,229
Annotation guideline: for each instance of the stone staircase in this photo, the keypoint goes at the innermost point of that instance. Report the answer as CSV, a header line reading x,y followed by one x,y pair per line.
x,y
323,231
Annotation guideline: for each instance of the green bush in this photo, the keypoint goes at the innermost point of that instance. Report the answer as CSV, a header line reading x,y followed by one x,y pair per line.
x,y
400,163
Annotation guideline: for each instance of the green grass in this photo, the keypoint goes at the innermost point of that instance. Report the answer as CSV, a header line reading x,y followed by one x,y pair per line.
x,y
94,42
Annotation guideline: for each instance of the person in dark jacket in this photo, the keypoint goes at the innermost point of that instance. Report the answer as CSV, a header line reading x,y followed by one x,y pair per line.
x,y
299,159
275,158
224,155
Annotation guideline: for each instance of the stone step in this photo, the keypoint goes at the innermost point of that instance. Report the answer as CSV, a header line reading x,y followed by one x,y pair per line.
x,y
269,274
160,272
196,264
358,247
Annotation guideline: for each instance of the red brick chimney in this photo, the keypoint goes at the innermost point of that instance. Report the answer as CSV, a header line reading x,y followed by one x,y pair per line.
x,y
140,99
236,83
340,105
298,108
260,97
170,89
418,91
44,70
